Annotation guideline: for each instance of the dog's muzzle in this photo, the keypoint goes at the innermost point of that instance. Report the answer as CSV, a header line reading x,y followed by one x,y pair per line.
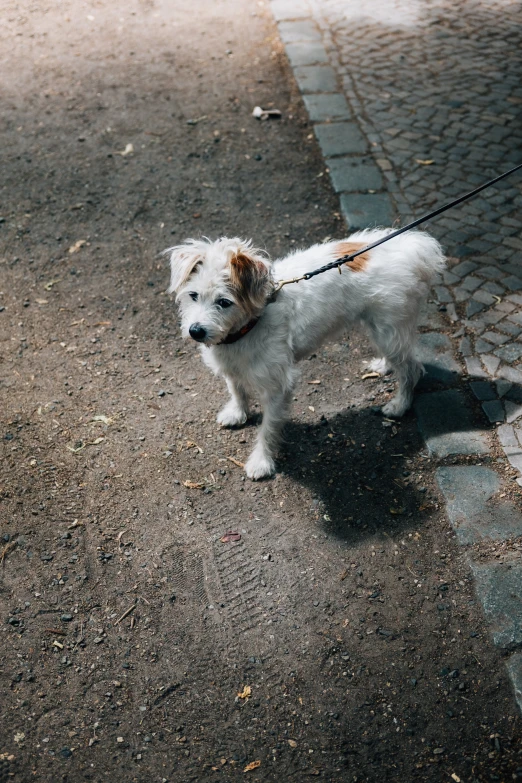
x,y
198,332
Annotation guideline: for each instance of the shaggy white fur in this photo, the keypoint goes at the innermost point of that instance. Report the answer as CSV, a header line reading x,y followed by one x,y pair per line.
x,y
226,285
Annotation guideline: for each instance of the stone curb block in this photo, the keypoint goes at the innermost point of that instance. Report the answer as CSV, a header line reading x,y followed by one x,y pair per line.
x,y
327,107
306,53
315,78
284,10
473,511
362,210
352,175
499,587
514,667
302,30
445,422
340,138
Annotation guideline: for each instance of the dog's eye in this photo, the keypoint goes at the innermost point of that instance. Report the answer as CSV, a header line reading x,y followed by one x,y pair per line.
x,y
224,303
193,295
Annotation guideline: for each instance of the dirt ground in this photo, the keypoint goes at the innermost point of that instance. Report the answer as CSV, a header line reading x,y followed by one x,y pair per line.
x,y
339,638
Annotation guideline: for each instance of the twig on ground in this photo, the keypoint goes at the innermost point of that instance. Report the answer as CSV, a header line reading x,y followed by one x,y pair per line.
x,y
7,548
126,613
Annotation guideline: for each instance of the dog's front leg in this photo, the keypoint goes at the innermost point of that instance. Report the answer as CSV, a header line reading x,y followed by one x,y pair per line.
x,y
235,412
261,462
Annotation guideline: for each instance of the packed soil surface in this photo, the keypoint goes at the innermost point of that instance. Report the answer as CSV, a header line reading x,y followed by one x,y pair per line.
x,y
335,634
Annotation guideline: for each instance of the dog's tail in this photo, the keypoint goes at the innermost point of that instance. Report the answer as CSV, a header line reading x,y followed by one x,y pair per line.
x,y
429,256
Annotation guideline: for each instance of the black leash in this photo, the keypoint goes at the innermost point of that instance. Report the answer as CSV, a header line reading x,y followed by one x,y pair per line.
x,y
346,259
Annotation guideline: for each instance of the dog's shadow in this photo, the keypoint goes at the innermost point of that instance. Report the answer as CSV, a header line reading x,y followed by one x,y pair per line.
x,y
359,472
367,474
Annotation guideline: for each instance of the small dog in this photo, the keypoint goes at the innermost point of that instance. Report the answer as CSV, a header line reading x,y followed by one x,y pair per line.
x,y
254,338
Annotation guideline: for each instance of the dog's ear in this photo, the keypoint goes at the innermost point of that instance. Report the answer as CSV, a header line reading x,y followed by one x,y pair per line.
x,y
184,259
250,279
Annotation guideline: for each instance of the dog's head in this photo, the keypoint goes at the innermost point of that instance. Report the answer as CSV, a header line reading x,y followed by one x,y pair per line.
x,y
220,286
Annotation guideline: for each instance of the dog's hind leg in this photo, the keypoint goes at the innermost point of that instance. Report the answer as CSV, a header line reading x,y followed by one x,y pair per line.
x,y
235,412
397,343
408,371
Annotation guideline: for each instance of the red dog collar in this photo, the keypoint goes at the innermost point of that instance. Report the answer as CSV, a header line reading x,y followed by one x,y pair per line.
x,y
235,336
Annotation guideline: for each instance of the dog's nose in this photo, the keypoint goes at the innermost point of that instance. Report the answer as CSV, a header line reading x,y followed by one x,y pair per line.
x,y
197,332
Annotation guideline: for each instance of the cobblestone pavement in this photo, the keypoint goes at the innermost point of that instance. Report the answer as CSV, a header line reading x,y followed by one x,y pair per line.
x,y
413,104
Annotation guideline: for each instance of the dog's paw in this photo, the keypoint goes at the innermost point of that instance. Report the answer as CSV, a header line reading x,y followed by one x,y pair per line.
x,y
231,416
379,365
395,408
259,466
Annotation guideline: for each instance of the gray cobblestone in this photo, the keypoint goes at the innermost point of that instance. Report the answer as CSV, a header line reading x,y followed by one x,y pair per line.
x,y
494,411
443,295
483,390
483,346
493,288
464,268
490,362
503,387
473,307
492,317
511,374
491,272
474,367
513,411
509,353
507,437
470,283
493,337
513,283
461,294
515,318
510,328
465,346
484,297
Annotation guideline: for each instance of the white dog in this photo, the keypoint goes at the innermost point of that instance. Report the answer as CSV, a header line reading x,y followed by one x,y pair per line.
x,y
254,339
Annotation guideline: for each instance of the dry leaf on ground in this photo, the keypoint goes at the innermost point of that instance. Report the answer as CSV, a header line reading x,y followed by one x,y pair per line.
x,y
194,484
252,765
77,245
230,536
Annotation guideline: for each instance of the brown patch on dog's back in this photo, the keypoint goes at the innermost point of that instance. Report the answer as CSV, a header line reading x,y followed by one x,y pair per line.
x,y
346,249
